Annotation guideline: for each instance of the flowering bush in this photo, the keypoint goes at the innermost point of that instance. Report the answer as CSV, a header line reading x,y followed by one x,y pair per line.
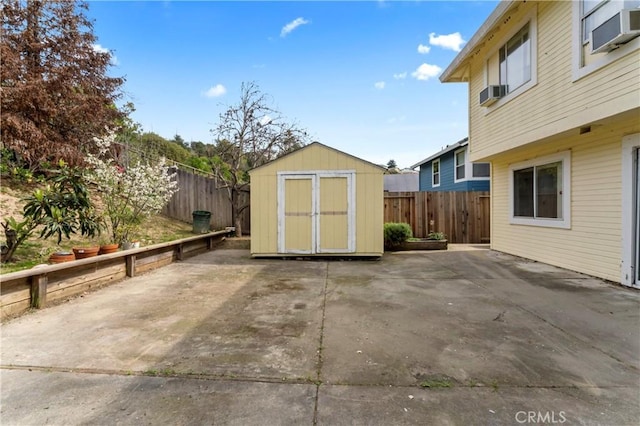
x,y
132,194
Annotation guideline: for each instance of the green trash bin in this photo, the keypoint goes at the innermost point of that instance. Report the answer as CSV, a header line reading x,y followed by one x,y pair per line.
x,y
201,221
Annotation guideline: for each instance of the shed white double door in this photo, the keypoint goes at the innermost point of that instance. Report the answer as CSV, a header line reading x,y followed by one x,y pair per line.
x,y
316,212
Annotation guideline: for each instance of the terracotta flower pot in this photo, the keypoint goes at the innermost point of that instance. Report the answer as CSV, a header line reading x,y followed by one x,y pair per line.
x,y
84,252
61,257
109,248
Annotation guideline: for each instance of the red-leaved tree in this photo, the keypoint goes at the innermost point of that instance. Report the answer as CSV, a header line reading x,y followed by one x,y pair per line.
x,y
54,88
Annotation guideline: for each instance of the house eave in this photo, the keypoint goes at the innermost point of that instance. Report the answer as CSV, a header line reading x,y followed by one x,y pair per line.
x,y
440,153
456,71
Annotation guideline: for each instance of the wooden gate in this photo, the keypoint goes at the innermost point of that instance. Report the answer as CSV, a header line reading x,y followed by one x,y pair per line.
x,y
463,216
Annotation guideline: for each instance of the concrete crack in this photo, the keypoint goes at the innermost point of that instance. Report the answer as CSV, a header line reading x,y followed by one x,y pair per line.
x,y
320,348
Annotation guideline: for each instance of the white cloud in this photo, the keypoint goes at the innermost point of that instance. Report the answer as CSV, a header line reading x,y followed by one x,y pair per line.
x,y
98,48
292,26
423,49
379,85
452,41
400,76
215,91
426,71
265,120
101,49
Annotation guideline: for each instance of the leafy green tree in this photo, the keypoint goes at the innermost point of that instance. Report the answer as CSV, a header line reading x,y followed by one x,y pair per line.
x,y
249,134
392,167
150,146
200,163
177,139
62,208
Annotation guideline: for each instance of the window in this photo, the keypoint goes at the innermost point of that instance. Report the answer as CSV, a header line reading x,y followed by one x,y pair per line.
x,y
515,61
481,170
540,192
464,170
588,15
596,12
512,65
459,158
435,173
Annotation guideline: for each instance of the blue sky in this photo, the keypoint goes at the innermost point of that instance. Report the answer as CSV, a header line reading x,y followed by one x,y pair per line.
x,y
359,76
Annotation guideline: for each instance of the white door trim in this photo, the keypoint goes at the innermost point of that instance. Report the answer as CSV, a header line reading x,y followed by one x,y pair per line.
x,y
351,212
282,177
630,202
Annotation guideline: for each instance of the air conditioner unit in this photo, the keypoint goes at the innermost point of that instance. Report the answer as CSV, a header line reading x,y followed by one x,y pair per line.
x,y
490,94
617,30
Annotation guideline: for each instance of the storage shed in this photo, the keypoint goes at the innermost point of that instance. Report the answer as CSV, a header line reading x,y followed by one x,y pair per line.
x,y
317,201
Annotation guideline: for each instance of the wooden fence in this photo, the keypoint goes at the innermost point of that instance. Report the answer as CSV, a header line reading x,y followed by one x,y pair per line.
x,y
463,216
198,192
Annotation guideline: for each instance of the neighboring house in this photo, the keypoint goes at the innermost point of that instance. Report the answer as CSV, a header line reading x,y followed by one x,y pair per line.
x,y
405,181
451,170
554,105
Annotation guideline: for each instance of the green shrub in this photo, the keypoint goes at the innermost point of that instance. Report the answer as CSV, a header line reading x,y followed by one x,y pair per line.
x,y
436,236
396,233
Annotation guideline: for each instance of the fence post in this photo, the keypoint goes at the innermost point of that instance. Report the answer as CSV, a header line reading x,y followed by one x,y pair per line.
x,y
131,265
39,291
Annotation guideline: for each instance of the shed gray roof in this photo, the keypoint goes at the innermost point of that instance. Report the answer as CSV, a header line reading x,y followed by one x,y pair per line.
x,y
402,182
448,148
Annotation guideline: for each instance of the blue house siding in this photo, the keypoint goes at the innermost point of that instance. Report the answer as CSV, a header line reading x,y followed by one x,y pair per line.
x,y
447,181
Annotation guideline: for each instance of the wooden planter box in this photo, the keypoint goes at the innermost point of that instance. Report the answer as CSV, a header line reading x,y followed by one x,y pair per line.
x,y
423,244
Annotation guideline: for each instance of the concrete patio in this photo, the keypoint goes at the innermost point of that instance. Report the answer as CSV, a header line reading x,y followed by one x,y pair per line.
x,y
464,336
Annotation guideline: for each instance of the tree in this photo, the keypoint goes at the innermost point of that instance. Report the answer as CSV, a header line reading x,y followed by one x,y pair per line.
x,y
177,139
55,92
392,167
129,195
63,207
154,147
250,134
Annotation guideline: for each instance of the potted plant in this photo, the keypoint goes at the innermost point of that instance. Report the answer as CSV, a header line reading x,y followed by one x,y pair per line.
x,y
108,247
86,251
62,208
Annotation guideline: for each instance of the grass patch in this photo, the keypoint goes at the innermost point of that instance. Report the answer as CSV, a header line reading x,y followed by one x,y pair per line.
x,y
433,384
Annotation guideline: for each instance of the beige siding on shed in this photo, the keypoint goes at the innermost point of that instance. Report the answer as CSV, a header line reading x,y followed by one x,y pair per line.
x,y
369,201
592,245
556,103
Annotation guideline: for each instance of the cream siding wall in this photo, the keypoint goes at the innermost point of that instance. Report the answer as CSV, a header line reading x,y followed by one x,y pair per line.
x,y
593,244
556,103
368,189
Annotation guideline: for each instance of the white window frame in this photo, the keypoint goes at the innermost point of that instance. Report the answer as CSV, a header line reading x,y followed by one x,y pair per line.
x,y
578,69
470,169
456,165
565,221
531,20
433,174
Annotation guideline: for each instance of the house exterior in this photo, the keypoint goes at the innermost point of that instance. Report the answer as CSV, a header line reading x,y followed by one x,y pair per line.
x,y
317,201
451,170
554,105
